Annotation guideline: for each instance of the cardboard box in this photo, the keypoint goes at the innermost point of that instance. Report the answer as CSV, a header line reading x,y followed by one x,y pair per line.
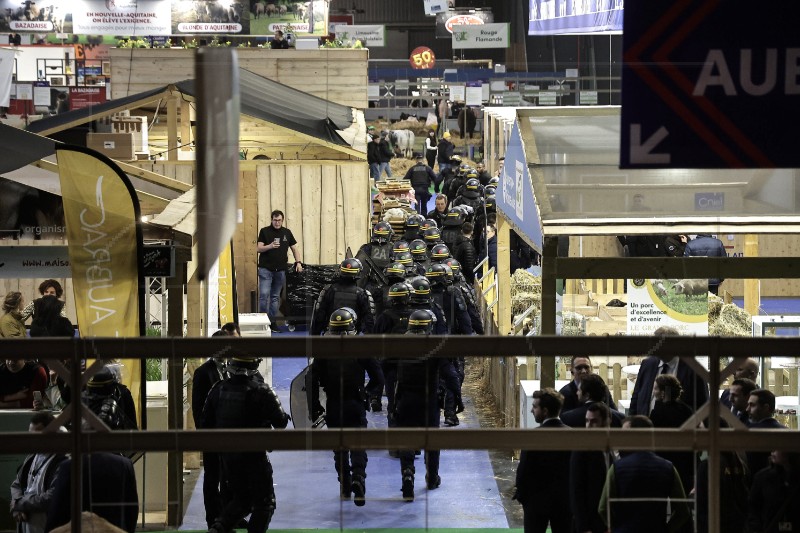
x,y
113,145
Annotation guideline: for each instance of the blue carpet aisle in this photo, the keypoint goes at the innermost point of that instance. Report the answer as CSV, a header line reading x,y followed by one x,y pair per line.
x,y
307,490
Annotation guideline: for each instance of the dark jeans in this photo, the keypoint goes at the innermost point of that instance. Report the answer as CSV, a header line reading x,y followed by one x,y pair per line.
x,y
212,492
537,516
250,479
422,196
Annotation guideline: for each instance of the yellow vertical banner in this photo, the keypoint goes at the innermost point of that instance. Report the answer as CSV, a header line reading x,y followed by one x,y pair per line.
x,y
102,213
227,286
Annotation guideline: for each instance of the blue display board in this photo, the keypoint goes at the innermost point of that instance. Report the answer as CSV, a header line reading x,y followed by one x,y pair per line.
x,y
515,198
710,84
551,17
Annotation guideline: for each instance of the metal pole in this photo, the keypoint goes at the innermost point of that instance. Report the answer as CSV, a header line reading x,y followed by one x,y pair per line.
x,y
76,467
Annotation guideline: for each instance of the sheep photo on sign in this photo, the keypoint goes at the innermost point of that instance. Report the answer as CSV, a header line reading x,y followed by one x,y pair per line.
x,y
267,16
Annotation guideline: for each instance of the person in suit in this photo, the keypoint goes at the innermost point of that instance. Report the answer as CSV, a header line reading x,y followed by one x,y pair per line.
x,y
579,367
542,486
761,410
772,503
642,474
587,475
749,370
739,393
109,491
592,389
695,390
671,412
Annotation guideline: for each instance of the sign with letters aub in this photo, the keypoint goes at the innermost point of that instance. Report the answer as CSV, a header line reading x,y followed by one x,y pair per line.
x,y
710,85
493,35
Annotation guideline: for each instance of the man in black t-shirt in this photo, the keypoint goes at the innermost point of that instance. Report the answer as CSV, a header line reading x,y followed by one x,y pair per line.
x,y
274,241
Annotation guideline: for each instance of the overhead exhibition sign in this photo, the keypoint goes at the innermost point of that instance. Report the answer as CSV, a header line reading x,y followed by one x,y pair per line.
x,y
370,35
553,17
120,17
693,97
515,197
460,17
470,36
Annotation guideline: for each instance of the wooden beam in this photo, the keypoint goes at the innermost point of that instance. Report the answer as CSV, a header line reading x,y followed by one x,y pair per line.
x,y
186,126
106,113
172,128
153,177
752,287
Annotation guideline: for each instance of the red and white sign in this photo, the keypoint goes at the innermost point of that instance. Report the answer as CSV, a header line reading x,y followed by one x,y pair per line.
x,y
462,20
83,97
422,57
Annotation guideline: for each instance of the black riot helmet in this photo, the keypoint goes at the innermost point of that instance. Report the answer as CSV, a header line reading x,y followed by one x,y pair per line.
x,y
399,294
395,271
455,217
350,268
432,236
494,180
241,365
414,221
382,232
420,322
342,322
472,188
420,291
490,203
490,190
400,246
437,275
404,258
454,264
455,160
418,250
440,252
429,223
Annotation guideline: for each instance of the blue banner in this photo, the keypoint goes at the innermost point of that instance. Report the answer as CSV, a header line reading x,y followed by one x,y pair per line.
x,y
710,84
551,17
515,198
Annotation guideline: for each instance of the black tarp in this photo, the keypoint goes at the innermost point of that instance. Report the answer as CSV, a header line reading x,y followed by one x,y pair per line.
x,y
20,148
260,98
303,289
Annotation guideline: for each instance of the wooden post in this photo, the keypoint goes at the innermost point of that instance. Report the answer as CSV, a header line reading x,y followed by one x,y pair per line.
x,y
186,126
549,257
172,129
752,287
503,277
175,397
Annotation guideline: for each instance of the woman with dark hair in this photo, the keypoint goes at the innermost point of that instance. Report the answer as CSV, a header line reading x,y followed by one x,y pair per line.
x,y
48,287
431,148
11,323
671,412
49,321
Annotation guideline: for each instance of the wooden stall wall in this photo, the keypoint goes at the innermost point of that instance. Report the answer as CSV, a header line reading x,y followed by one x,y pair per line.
x,y
336,75
326,205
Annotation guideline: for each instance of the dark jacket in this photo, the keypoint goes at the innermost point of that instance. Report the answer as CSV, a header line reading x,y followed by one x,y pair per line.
x,y
464,253
445,151
437,216
673,415
421,176
344,293
733,489
771,488
695,391
542,477
570,394
385,153
373,152
757,461
587,475
706,246
492,250
204,378
576,418
109,491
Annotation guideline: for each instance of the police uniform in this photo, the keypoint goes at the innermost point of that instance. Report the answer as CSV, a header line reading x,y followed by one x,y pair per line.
x,y
421,177
343,381
242,402
344,293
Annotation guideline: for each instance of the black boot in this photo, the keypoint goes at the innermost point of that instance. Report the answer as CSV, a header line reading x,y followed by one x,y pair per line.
x,y
408,485
375,404
450,418
432,481
345,486
359,490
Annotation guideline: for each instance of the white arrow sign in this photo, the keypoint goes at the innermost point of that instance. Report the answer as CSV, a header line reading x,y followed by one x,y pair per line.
x,y
643,153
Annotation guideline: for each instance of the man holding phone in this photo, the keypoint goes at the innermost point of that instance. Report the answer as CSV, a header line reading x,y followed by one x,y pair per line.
x,y
274,243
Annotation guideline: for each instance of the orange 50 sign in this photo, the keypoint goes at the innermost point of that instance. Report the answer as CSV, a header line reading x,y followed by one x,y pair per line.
x,y
422,57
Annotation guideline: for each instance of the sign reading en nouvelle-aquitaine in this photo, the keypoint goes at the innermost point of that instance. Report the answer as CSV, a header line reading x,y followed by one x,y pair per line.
x,y
710,84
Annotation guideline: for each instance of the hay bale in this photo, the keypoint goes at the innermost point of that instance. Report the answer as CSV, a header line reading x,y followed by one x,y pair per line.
x,y
715,304
573,324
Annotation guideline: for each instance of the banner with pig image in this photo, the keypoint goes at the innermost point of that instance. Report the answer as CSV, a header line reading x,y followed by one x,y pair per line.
x,y
678,303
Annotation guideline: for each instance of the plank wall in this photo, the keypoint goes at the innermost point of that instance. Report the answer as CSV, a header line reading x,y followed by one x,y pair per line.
x,y
336,75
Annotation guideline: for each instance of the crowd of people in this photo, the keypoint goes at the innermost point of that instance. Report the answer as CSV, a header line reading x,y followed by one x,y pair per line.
x,y
634,491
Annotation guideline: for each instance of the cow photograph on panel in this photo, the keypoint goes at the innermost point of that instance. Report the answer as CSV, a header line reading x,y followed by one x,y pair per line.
x,y
269,16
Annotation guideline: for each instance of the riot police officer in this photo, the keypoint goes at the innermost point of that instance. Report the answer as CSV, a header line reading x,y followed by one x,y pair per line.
x,y
240,401
421,298
450,299
393,321
345,292
451,230
467,291
421,177
412,227
375,256
343,381
419,253
417,403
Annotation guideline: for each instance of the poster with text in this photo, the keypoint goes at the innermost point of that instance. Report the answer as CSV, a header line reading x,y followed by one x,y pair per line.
x,y
210,16
681,304
121,17
300,18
